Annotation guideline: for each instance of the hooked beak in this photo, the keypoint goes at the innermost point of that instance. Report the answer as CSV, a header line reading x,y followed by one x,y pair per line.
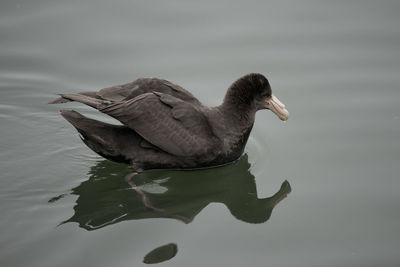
x,y
277,107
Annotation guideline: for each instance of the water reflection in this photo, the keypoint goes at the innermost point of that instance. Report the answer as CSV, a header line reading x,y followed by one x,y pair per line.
x,y
160,254
106,198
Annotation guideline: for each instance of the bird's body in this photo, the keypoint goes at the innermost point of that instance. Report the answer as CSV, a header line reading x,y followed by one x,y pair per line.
x,y
166,127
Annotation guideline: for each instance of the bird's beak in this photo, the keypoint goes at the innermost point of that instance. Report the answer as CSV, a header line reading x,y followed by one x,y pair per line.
x,y
277,107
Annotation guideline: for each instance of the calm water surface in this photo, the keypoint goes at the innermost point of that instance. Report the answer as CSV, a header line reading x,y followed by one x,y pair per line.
x,y
335,64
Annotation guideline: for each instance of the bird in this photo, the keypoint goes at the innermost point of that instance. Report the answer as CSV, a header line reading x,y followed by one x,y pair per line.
x,y
165,127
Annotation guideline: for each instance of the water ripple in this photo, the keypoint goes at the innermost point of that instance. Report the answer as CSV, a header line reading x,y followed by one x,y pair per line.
x,y
258,153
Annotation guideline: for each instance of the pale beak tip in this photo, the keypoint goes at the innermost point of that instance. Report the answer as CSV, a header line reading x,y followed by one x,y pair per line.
x,y
285,116
278,108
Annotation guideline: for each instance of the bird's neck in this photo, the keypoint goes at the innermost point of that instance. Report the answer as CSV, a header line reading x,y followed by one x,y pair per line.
x,y
240,114
233,128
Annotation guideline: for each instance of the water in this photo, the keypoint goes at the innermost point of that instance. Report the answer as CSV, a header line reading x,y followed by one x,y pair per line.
x,y
334,64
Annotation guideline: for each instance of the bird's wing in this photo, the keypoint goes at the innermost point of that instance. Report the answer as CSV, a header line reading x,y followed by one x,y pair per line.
x,y
146,85
173,125
133,89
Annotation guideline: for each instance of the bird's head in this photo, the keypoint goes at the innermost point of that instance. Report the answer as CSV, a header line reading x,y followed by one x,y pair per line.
x,y
253,91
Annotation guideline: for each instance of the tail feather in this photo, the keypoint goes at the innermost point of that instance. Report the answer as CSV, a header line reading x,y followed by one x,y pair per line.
x,y
59,100
90,101
105,139
62,99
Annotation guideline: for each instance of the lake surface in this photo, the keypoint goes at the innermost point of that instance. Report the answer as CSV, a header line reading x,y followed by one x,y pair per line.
x,y
336,66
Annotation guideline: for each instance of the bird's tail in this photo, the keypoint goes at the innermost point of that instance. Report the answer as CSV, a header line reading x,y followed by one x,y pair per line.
x,y
105,139
90,101
64,99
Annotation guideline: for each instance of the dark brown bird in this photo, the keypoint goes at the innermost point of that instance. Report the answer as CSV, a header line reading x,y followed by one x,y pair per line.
x,y
166,127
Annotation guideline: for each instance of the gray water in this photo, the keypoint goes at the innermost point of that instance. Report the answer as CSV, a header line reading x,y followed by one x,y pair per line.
x,y
336,66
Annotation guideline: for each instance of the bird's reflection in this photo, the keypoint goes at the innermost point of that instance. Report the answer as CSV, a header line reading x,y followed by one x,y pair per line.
x,y
106,198
160,254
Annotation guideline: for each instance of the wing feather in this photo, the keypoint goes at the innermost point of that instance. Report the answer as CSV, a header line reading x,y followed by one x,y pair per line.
x,y
145,85
173,125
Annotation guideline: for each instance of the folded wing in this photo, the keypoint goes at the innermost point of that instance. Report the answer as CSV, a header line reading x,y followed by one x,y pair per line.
x,y
173,125
133,89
